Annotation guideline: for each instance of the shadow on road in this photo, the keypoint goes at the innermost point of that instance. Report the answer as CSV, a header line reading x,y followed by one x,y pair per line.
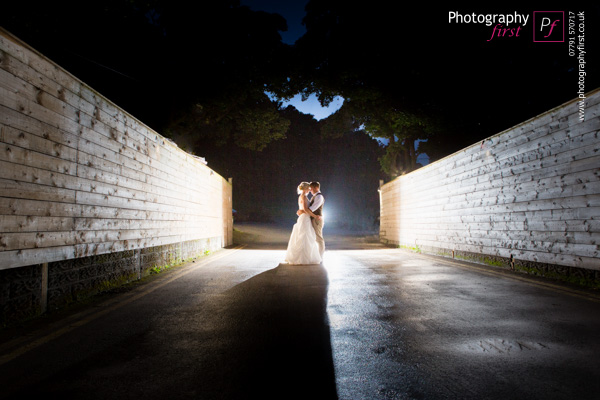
x,y
269,338
276,237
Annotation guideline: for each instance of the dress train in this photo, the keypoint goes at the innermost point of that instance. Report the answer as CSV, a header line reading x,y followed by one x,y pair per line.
x,y
302,248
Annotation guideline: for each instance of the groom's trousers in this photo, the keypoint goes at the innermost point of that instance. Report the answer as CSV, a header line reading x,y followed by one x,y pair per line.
x,y
318,225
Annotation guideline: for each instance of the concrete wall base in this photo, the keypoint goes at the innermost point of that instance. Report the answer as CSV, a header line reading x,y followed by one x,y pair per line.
x,y
580,276
29,291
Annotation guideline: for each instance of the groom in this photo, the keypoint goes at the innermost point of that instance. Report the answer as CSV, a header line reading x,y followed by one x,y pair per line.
x,y
316,206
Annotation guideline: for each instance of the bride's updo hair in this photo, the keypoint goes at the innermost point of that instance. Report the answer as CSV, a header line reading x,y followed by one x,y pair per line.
x,y
303,186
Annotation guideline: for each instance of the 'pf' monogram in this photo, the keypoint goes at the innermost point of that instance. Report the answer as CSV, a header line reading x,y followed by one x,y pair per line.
x,y
548,26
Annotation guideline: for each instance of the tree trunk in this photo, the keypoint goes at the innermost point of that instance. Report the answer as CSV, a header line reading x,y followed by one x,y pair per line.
x,y
405,156
412,154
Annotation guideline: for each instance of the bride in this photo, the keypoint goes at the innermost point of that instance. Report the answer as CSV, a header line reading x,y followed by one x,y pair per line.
x,y
302,247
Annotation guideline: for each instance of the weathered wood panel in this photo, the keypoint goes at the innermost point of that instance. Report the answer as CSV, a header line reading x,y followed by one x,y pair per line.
x,y
530,193
79,176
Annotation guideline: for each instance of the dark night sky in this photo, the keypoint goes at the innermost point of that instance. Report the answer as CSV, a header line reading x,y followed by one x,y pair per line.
x,y
291,10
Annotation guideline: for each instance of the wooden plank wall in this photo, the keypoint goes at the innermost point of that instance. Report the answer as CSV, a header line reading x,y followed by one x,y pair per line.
x,y
79,176
531,193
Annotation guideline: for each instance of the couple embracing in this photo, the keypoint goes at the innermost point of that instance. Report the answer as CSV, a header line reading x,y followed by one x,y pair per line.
x,y
306,245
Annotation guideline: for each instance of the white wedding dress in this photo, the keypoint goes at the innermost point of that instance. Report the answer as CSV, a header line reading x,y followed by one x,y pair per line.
x,y
302,247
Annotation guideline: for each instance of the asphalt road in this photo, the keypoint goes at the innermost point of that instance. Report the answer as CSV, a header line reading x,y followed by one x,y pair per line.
x,y
370,323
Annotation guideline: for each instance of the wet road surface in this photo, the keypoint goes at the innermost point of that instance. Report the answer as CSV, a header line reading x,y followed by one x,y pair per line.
x,y
370,323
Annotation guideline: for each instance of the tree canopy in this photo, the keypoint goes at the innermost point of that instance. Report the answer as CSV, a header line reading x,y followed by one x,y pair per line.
x,y
405,73
264,186
199,67
204,68
347,51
